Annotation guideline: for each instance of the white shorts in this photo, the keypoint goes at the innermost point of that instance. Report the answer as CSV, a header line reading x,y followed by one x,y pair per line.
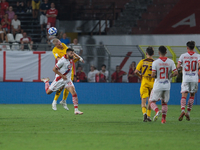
x,y
56,85
160,95
43,19
190,87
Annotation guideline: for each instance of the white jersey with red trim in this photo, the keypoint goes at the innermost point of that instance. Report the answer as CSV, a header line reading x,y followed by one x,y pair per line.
x,y
65,67
163,67
189,62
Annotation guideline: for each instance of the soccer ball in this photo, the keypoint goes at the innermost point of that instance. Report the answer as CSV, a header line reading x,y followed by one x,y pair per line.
x,y
52,31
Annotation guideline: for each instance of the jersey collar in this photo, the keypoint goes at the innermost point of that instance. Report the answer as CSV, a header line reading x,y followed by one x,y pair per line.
x,y
191,52
163,58
65,57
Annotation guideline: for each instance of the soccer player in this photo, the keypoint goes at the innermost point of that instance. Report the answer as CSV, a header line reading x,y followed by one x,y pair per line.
x,y
59,51
145,67
162,69
63,70
189,62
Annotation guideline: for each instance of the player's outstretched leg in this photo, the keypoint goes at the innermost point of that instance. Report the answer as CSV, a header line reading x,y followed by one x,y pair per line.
x,y
63,101
54,103
155,108
183,103
164,112
189,107
75,100
46,81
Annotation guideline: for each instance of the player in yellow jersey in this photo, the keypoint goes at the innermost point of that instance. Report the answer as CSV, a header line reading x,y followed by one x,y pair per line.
x,y
145,67
59,51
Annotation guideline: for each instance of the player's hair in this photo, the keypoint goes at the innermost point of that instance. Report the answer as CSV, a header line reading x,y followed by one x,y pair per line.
x,y
162,49
103,65
70,50
191,45
150,51
55,40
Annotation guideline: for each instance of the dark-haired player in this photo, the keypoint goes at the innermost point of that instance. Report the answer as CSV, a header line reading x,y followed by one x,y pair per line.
x,y
189,62
63,70
145,67
161,69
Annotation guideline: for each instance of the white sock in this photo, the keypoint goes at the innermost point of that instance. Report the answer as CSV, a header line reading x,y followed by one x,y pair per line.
x,y
183,111
54,101
76,109
188,112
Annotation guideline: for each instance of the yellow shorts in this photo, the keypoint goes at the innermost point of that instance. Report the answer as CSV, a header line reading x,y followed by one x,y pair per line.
x,y
35,5
146,87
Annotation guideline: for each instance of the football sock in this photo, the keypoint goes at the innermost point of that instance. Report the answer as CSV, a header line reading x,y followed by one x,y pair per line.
x,y
154,107
57,94
46,85
144,110
75,101
164,110
148,112
183,103
190,103
65,94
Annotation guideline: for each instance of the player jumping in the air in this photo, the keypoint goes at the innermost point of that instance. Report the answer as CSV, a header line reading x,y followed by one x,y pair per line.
x,y
59,51
161,69
145,67
189,62
63,70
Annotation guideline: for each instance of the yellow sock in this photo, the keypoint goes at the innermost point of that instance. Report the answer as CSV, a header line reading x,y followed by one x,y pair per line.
x,y
144,110
57,94
65,94
148,113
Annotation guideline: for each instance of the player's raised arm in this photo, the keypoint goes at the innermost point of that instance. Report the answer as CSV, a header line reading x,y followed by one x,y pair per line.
x,y
79,57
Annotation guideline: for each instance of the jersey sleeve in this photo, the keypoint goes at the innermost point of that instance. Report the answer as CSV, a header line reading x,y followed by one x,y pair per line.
x,y
139,66
198,58
180,60
59,64
154,66
55,53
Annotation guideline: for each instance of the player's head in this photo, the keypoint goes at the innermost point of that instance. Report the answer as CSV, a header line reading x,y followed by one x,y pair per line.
x,y
70,53
56,42
190,45
162,50
149,51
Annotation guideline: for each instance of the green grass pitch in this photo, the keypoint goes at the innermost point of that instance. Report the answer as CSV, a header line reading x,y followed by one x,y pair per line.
x,y
101,127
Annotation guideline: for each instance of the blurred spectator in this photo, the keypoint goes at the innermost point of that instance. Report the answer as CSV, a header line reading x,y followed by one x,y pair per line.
x,y
199,75
92,74
77,47
117,75
16,25
10,13
28,6
64,38
43,18
2,13
6,23
35,8
51,16
20,7
104,72
4,5
132,77
3,35
26,42
80,75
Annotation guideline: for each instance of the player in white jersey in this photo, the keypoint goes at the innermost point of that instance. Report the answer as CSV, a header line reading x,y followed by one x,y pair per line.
x,y
189,62
63,70
162,69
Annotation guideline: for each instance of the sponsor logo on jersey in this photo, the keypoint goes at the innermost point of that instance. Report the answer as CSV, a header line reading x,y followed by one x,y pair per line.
x,y
164,82
69,66
190,74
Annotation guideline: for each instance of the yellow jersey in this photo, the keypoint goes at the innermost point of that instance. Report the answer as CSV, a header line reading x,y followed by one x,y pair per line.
x,y
57,52
145,67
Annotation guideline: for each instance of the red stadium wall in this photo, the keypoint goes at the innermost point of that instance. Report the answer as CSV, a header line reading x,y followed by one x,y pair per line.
x,y
184,18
